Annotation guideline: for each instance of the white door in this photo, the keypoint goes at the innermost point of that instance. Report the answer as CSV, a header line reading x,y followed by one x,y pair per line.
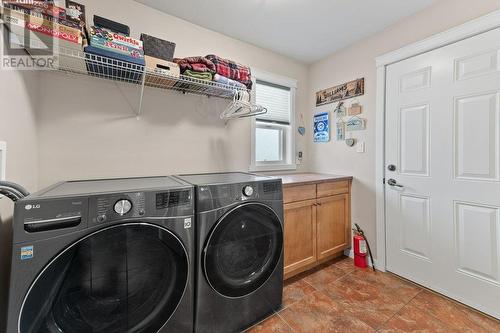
x,y
443,138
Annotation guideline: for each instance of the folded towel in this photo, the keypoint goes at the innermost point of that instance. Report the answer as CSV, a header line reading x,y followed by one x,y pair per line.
x,y
232,83
199,75
197,64
231,70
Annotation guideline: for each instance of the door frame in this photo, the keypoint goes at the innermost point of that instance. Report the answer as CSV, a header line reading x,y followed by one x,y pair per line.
x,y
469,29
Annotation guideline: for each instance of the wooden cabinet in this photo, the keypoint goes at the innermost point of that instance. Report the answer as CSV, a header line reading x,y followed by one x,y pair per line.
x,y
332,225
300,235
317,224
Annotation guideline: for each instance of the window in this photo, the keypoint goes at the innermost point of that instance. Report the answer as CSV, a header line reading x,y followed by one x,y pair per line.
x,y
273,140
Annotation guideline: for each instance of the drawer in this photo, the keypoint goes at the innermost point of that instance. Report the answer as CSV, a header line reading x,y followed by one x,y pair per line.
x,y
333,188
299,193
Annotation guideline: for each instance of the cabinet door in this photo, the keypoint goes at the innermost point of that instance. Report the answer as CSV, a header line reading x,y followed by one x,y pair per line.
x,y
300,237
333,225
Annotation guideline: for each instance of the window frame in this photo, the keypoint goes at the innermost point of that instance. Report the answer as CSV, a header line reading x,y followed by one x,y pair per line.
x,y
283,129
288,149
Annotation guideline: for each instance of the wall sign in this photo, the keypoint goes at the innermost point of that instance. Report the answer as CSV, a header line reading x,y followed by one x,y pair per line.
x,y
340,131
355,109
355,124
322,127
341,92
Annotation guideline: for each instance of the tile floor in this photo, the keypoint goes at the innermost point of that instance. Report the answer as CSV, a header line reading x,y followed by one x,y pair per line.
x,y
339,298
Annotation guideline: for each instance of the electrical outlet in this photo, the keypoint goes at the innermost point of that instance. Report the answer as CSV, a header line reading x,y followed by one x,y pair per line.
x,y
361,147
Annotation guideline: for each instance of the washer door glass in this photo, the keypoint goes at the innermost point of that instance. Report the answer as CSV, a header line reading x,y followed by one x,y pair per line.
x,y
243,250
127,278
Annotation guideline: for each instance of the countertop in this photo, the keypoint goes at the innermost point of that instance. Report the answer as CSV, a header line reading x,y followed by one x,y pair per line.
x,y
309,178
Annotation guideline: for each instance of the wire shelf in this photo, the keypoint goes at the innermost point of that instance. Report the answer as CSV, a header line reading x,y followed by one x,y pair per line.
x,y
78,62
75,60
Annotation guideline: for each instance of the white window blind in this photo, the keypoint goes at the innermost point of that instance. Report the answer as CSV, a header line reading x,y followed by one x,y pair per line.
x,y
277,100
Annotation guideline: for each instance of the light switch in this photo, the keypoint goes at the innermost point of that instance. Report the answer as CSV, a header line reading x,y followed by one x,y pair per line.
x,y
299,158
361,147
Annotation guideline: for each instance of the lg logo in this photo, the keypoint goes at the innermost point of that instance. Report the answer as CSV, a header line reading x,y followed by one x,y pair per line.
x,y
30,207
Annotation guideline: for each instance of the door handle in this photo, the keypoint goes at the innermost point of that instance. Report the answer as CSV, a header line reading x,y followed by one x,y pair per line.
x,y
394,183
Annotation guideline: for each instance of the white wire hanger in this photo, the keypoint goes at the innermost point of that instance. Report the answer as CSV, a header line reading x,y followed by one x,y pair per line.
x,y
241,107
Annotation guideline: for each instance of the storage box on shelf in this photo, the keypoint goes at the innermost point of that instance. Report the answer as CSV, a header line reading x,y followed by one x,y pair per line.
x,y
46,38
161,73
159,54
114,55
46,15
75,13
40,7
114,42
118,27
105,64
158,48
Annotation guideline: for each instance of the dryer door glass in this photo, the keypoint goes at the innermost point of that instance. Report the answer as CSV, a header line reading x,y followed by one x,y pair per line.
x,y
243,250
127,278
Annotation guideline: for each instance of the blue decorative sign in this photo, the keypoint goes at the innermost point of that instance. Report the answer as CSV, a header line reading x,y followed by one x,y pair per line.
x,y
322,127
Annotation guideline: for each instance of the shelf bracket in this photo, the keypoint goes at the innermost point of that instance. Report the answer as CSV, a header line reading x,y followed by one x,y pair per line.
x,y
139,111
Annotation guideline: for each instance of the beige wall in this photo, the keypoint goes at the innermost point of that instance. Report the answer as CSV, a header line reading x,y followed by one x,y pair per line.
x,y
358,61
18,91
87,128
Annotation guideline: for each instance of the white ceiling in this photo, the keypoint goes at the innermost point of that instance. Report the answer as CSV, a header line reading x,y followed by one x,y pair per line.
x,y
306,30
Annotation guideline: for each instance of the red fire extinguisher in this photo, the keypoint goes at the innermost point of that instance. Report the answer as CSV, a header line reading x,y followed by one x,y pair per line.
x,y
361,248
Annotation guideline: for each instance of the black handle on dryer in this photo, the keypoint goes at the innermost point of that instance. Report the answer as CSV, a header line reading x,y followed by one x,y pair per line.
x,y
53,224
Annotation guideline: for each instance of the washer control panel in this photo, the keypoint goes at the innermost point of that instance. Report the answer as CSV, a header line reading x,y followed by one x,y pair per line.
x,y
114,207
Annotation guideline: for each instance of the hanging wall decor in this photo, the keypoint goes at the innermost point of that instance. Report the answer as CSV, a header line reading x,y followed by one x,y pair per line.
x,y
355,109
302,127
341,92
355,124
322,127
340,110
350,142
340,131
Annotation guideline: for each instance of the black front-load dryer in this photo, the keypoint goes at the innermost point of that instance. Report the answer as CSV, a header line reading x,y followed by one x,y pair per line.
x,y
104,256
239,233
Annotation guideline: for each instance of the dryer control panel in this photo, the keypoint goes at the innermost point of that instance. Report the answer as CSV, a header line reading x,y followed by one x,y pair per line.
x,y
108,208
